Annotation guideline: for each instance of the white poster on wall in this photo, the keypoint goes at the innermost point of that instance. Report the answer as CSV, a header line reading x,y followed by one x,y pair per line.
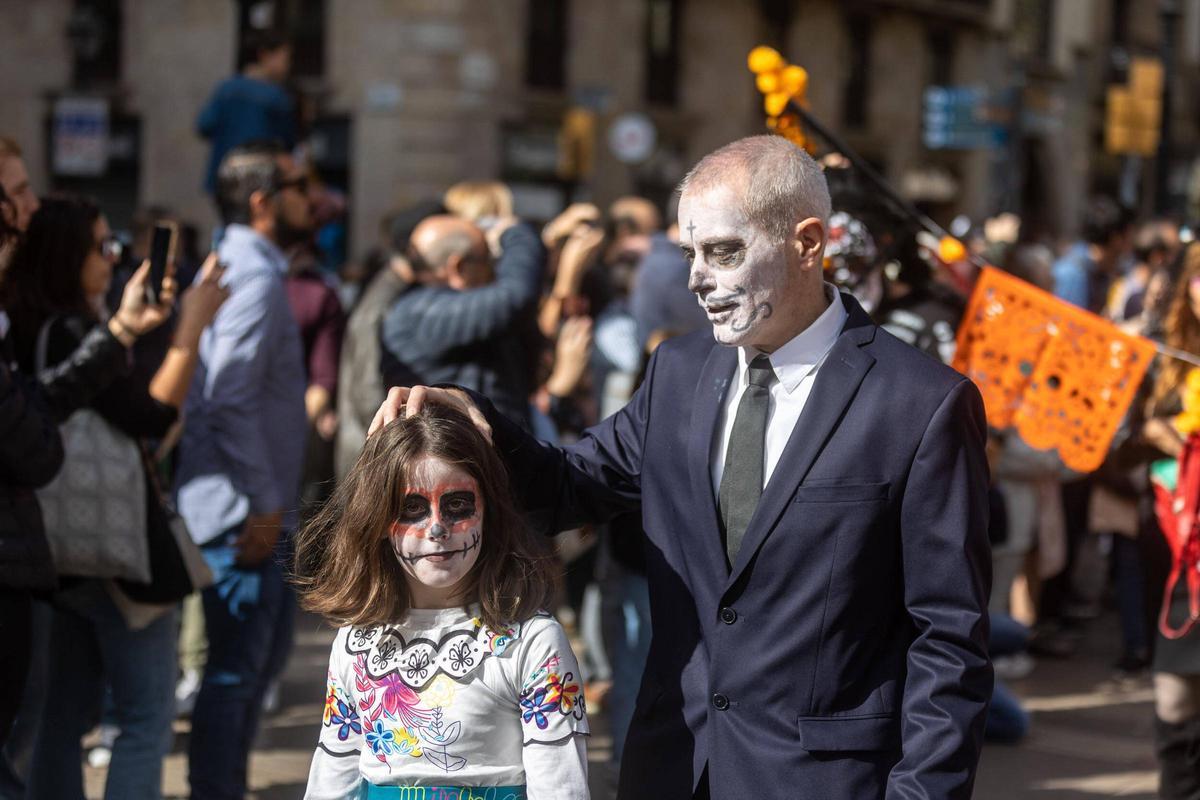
x,y
79,146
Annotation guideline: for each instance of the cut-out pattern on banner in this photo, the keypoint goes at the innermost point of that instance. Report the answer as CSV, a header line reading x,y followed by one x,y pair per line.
x,y
1062,377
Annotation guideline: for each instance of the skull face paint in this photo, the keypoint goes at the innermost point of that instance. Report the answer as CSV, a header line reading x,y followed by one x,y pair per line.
x,y
739,272
438,532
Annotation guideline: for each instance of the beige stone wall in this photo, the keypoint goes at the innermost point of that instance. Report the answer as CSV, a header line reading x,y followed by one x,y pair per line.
x,y
428,85
445,126
175,53
34,60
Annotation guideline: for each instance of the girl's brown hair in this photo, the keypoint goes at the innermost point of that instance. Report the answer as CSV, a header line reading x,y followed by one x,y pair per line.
x,y
1182,328
346,569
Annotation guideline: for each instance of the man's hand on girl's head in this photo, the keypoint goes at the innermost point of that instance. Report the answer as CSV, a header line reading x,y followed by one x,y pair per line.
x,y
410,400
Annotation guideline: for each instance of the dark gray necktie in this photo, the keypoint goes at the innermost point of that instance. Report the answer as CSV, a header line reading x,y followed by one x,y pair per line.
x,y
742,480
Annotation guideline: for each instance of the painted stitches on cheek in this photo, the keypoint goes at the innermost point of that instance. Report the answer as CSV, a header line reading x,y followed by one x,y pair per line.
x,y
443,555
761,311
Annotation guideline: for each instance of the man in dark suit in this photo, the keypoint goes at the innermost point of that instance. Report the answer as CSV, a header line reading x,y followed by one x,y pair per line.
x,y
814,495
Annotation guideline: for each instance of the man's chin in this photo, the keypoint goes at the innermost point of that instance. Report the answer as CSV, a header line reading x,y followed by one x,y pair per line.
x,y
726,335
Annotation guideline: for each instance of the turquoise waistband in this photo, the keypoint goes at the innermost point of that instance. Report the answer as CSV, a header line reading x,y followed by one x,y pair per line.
x,y
372,792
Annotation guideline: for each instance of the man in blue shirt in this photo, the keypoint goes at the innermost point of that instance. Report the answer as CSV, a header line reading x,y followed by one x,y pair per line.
x,y
1086,271
241,455
252,105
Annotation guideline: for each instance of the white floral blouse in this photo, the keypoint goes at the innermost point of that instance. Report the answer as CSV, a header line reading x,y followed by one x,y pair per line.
x,y
442,700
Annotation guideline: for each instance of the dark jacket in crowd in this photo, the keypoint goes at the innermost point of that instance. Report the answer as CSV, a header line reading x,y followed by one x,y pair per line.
x,y
321,321
661,299
477,338
31,449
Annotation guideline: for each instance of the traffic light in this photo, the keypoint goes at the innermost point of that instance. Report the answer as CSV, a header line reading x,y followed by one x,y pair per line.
x,y
781,83
1133,116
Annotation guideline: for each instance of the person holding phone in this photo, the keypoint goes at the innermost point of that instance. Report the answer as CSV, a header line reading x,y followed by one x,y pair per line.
x,y
54,291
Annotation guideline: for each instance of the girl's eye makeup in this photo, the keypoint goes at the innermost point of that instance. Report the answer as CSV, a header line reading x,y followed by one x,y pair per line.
x,y
415,507
458,505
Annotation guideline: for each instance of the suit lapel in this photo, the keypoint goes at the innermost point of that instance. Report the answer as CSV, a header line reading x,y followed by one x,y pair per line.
x,y
836,383
715,379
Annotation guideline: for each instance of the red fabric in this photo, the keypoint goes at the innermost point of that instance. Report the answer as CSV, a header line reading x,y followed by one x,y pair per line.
x,y
1178,519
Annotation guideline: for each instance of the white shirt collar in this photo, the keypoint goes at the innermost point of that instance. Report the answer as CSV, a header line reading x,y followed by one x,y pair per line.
x,y
796,360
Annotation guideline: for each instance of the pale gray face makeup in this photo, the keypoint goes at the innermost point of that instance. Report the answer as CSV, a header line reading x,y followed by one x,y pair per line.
x,y
438,532
739,273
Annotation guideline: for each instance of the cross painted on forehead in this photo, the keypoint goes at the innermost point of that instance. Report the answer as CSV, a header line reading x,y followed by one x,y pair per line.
x,y
691,229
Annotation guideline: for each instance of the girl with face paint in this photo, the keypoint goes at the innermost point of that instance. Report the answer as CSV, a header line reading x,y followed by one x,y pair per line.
x,y
446,670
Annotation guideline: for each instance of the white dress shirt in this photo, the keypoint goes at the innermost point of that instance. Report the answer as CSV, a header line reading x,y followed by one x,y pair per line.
x,y
795,365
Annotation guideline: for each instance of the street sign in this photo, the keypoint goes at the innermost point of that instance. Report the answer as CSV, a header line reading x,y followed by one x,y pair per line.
x,y
960,118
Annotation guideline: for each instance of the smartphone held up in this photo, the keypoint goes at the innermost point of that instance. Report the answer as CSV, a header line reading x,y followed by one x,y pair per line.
x,y
162,254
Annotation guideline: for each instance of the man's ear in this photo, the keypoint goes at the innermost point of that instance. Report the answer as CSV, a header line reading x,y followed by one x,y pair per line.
x,y
260,204
455,271
808,239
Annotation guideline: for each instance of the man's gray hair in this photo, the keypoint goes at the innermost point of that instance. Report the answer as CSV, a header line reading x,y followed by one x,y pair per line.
x,y
780,184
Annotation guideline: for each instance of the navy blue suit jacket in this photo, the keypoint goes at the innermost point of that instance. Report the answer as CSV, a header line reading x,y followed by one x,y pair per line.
x,y
844,654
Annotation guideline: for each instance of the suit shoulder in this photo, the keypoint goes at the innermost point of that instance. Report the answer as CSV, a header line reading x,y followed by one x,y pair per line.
x,y
913,369
696,344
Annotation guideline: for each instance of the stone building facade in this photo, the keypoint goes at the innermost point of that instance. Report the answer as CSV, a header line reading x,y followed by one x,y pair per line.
x,y
409,96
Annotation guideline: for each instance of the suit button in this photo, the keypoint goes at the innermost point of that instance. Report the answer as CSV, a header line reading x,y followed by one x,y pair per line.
x,y
720,702
728,615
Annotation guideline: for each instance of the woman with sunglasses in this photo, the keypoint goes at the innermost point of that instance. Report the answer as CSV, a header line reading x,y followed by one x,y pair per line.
x,y
54,291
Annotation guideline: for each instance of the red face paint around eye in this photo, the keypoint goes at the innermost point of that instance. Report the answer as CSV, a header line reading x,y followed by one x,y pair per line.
x,y
453,507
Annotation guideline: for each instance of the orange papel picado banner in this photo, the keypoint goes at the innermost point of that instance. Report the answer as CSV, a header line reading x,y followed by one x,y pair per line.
x,y
1063,378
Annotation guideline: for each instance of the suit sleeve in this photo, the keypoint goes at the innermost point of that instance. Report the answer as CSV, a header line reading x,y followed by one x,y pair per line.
x,y
947,580
593,480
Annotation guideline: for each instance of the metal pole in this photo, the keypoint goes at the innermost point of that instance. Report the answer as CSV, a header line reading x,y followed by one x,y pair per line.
x,y
900,204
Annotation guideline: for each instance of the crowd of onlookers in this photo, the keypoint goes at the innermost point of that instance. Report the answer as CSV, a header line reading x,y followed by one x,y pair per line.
x,y
239,405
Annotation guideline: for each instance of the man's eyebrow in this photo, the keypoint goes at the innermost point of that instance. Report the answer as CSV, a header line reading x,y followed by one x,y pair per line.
x,y
719,240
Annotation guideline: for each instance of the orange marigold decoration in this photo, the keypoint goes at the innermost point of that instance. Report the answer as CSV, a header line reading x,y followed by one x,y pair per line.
x,y
781,83
1063,378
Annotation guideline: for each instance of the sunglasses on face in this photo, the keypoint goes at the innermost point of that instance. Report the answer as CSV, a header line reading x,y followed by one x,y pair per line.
x,y
110,248
299,183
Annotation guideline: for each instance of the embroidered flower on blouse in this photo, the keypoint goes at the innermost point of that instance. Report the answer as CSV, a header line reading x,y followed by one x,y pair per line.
x,y
537,706
382,740
407,743
347,719
562,691
439,693
330,704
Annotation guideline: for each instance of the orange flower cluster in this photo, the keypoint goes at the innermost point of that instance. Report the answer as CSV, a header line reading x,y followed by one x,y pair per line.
x,y
781,82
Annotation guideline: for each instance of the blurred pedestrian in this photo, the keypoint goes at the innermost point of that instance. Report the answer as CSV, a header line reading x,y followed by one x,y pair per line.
x,y
1177,647
464,321
241,456
55,287
360,379
252,105
31,406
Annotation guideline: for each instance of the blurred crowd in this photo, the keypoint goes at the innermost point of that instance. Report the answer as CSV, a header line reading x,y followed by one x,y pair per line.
x,y
279,354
